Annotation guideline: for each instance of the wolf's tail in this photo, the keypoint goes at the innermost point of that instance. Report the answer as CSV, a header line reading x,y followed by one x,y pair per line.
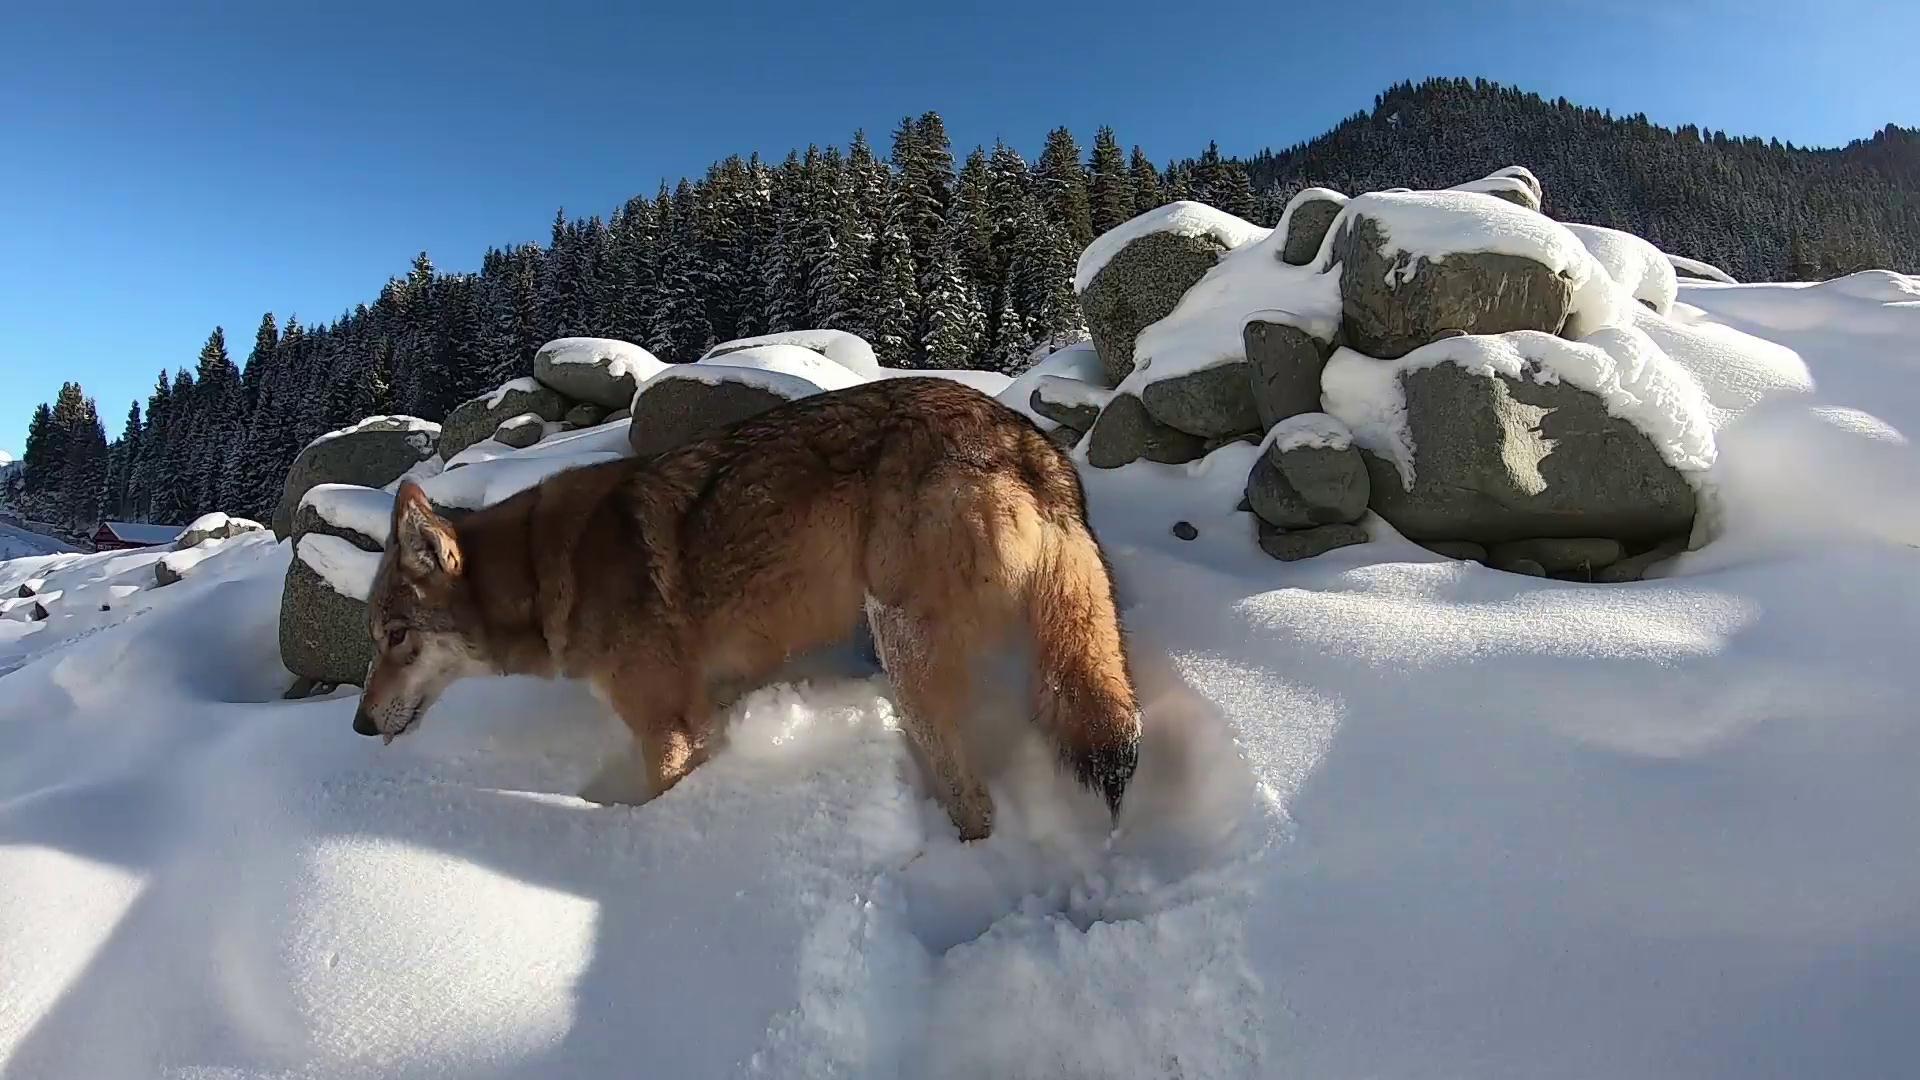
x,y
1084,696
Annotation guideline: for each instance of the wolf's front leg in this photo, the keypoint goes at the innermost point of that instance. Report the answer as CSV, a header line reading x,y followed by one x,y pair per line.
x,y
669,737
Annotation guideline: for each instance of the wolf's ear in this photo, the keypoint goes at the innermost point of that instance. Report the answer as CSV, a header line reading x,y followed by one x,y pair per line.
x,y
423,539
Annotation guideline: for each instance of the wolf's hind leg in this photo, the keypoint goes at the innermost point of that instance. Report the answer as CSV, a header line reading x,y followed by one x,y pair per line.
x,y
929,672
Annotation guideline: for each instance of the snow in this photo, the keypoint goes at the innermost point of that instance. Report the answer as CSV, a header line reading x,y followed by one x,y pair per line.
x,y
17,542
397,423
1206,328
345,568
1493,184
360,510
1316,430
1397,815
619,357
523,385
1055,390
183,563
1635,265
1305,195
1432,225
788,360
848,350
1182,218
785,384
990,383
1079,362
1621,365
1701,269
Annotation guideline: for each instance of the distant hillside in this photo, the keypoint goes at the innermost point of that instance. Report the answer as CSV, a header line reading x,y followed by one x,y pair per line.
x,y
1761,209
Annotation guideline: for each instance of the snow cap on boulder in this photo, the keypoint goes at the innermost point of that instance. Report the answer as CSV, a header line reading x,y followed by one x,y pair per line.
x,y
603,371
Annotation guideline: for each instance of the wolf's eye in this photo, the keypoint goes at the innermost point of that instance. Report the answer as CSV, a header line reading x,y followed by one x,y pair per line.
x,y
396,637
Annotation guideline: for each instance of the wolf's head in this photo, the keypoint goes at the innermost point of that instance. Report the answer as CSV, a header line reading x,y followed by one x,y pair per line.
x,y
418,614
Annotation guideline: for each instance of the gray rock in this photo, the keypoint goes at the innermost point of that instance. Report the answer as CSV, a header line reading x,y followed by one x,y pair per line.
x,y
478,419
591,382
1125,433
304,687
1558,555
618,415
323,635
308,520
1283,367
373,454
520,431
1635,567
1386,313
1308,486
1524,566
1501,459
1078,416
1138,287
164,575
224,530
1065,438
1214,402
586,415
1185,530
1465,550
1307,227
29,587
674,412
1294,545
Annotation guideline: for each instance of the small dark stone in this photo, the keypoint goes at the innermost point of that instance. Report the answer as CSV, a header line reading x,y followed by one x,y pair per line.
x,y
1185,530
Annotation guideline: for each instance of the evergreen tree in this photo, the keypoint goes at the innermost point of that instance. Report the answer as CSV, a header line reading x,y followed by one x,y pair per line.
x,y
1109,190
1061,183
1148,192
955,323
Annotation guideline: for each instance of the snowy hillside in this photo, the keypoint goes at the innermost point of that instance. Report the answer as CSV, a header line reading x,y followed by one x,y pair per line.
x,y
1398,815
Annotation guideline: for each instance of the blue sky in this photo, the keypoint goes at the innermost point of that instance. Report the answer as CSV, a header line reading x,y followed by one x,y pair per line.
x,y
168,167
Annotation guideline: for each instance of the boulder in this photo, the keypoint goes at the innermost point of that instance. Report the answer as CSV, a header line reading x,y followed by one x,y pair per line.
x,y
1558,555
520,432
372,453
359,515
671,411
1067,402
1305,222
1213,402
1184,530
1064,437
1465,550
1498,459
586,415
164,574
214,526
1294,545
1138,287
1393,304
1635,567
478,419
602,371
1304,486
1284,361
1524,566
323,630
1125,433
618,415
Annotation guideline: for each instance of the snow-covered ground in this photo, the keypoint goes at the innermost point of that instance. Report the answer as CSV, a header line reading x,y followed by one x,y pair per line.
x,y
18,543
1397,815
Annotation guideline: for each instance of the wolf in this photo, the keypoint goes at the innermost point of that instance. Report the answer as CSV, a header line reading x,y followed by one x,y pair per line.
x,y
948,519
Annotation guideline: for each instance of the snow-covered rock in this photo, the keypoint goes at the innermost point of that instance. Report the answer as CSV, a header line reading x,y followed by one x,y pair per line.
x,y
692,401
1125,432
1292,545
361,515
373,452
1068,402
1304,223
1635,265
213,526
1511,189
793,361
603,371
520,432
323,612
1285,355
587,414
1308,474
1135,273
1416,264
850,351
472,421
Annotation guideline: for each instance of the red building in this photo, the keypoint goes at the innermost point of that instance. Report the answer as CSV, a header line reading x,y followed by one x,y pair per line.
x,y
119,535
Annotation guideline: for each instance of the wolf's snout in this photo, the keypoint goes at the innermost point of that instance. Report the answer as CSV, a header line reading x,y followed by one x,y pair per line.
x,y
363,723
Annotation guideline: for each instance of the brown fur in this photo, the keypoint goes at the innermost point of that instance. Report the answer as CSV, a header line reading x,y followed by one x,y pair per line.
x,y
949,518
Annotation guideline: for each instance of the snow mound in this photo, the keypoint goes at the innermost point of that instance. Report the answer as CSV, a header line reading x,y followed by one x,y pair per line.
x,y
620,357
1700,269
850,351
1181,218
353,508
788,361
1317,430
1622,366
1635,265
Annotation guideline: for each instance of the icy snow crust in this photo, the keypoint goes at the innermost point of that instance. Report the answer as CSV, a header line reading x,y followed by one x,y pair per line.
x,y
1181,218
1359,844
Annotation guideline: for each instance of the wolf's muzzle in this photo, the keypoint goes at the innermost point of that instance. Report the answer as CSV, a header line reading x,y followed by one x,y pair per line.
x,y
363,723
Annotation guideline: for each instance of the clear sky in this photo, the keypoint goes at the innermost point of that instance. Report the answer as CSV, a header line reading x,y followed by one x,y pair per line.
x,y
165,167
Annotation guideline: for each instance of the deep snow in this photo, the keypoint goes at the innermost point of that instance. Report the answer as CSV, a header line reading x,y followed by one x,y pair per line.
x,y
1396,816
